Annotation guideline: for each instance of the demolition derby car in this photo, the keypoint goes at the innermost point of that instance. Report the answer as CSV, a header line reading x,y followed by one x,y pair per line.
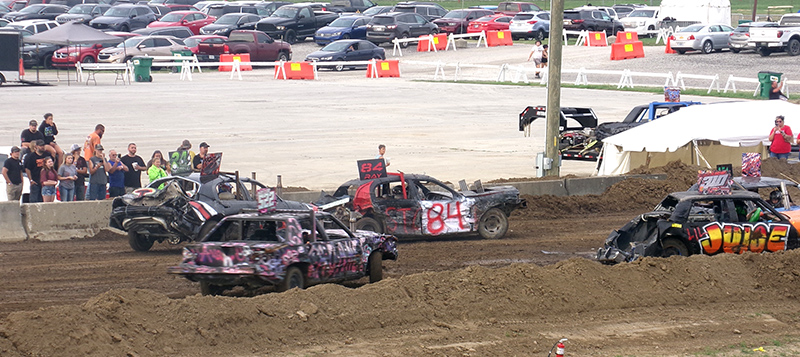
x,y
687,223
178,209
419,205
285,249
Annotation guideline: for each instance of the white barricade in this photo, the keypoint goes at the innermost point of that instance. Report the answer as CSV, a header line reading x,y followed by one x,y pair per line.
x,y
480,35
731,83
398,41
681,76
582,36
582,78
627,81
122,70
663,34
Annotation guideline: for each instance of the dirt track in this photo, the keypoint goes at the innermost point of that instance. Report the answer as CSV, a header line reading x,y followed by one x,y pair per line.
x,y
458,296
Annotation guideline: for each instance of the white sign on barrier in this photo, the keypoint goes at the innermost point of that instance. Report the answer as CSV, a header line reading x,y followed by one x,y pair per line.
x,y
480,35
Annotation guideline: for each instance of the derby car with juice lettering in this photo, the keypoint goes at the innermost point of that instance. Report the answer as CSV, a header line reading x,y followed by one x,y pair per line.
x,y
420,205
688,223
178,209
285,249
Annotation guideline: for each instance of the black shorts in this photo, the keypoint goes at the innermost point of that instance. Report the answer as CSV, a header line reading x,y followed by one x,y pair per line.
x,y
544,60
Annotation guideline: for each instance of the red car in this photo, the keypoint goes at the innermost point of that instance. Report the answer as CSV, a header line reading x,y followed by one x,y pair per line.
x,y
213,40
194,20
68,56
490,23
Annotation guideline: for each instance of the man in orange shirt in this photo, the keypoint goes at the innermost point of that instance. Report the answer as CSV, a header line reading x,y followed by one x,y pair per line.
x,y
92,140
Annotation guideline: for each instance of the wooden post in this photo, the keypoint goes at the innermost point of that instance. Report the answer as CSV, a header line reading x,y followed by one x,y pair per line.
x,y
554,87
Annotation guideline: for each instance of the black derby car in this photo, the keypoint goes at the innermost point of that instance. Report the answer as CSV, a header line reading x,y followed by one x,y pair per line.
x,y
687,223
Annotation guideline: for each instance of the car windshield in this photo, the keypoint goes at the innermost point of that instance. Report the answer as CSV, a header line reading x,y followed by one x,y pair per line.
x,y
160,2
667,204
572,15
31,9
336,46
372,11
456,14
404,9
173,17
81,9
642,13
342,22
129,43
522,17
286,12
741,29
378,20
229,19
693,28
191,42
241,37
118,12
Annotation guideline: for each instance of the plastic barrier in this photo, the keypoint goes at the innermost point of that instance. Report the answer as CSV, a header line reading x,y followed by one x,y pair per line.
x,y
499,38
597,39
383,69
295,70
626,37
11,223
65,220
621,51
21,68
439,43
238,57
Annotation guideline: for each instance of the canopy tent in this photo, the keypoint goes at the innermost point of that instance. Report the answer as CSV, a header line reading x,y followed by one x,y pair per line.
x,y
73,34
704,11
713,133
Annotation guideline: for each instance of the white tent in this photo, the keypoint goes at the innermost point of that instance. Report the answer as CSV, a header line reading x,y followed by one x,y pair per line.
x,y
705,11
713,133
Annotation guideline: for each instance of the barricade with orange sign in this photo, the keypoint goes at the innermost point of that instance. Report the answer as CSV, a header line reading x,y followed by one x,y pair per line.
x,y
381,69
597,39
439,43
499,38
621,51
295,70
238,57
626,37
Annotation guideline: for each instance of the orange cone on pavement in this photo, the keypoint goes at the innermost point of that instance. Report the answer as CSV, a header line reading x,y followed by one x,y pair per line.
x,y
669,48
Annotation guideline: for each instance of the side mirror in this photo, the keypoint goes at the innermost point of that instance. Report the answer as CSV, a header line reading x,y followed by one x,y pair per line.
x,y
133,15
184,22
98,45
301,16
141,46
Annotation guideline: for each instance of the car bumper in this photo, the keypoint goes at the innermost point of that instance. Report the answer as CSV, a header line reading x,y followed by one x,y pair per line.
x,y
380,36
685,45
324,40
741,45
449,29
208,58
768,44
637,29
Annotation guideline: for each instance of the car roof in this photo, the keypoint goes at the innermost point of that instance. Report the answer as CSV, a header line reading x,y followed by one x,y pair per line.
x,y
31,22
694,195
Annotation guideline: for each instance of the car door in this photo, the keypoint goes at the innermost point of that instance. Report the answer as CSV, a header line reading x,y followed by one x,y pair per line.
x,y
359,28
399,210
724,36
146,47
606,21
755,228
348,250
163,47
419,27
443,211
305,23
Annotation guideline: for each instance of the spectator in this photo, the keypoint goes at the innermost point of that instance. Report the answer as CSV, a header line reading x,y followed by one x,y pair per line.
x,y
33,163
186,146
545,56
536,54
92,140
164,164
49,178
116,175
135,164
12,172
98,177
49,131
30,135
83,172
781,138
776,93
197,161
67,175
155,171
382,153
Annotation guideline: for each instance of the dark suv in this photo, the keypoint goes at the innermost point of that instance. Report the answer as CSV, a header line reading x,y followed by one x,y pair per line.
x,y
387,27
124,18
591,20
456,21
429,12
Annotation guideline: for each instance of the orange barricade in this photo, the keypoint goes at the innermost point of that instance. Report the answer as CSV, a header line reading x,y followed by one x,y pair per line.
x,y
439,42
499,38
597,39
626,37
621,51
21,68
384,69
231,57
295,70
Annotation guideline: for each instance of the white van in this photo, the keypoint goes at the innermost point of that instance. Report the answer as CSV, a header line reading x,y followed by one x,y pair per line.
x,y
642,20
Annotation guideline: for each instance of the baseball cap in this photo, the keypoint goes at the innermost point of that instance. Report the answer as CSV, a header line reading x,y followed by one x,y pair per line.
x,y
98,147
186,145
74,147
203,145
33,122
15,149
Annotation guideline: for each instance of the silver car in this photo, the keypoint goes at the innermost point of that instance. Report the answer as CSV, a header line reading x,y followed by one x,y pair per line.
x,y
740,38
142,46
706,38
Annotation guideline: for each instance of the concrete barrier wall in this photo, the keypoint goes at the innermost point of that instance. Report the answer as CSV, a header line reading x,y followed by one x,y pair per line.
x,y
11,223
65,220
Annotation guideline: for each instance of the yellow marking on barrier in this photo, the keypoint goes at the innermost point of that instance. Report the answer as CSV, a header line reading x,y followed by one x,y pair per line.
x,y
295,67
237,58
629,47
384,66
597,36
436,40
628,35
501,34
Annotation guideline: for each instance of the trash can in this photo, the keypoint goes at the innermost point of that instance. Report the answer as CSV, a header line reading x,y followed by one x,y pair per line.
x,y
766,78
183,53
141,69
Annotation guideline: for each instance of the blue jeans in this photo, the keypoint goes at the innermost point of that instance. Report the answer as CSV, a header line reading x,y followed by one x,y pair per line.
x,y
36,194
97,192
779,156
67,194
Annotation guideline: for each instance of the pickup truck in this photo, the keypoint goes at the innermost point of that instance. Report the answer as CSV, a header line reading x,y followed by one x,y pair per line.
x,y
784,38
295,22
259,45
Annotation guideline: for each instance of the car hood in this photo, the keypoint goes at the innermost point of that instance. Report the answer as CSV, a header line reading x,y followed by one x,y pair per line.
x,y
108,19
156,197
163,24
328,29
214,27
276,21
320,54
72,17
113,50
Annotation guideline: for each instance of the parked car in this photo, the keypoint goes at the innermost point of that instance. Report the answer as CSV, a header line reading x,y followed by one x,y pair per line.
x,y
420,205
17,5
591,20
429,12
347,50
193,20
4,10
260,46
700,37
497,22
608,10
201,5
229,22
740,37
33,26
377,10
457,21
387,27
176,31
284,249
623,10
356,6
266,8
83,13
124,18
295,22
210,48
176,5
642,20
66,57
4,22
193,42
69,3
37,12
219,9
530,25
512,8
429,3
160,10
34,54
142,46
688,223
344,27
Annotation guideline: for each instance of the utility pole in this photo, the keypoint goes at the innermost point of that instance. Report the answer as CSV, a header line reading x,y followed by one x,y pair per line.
x,y
755,5
551,153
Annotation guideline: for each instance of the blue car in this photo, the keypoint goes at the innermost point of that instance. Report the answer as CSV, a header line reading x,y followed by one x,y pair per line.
x,y
347,50
343,28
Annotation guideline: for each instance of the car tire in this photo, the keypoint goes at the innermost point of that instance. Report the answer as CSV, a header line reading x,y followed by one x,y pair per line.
x,y
735,50
205,229
47,63
793,47
127,59
209,289
651,28
138,242
339,67
763,51
124,28
290,37
493,224
346,36
672,246
403,37
375,267
369,224
707,47
294,279
283,57
680,52
88,59
539,35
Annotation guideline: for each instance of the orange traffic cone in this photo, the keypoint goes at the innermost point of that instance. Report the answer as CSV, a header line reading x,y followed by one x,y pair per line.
x,y
21,68
669,48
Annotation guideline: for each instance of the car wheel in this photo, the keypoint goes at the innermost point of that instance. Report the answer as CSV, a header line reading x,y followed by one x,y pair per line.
x,y
493,224
590,29
403,37
680,52
294,279
369,224
375,267
290,37
339,67
47,63
346,36
127,59
283,57
88,59
207,288
138,242
672,246
793,47
206,228
540,35
764,52
651,28
124,28
708,47
735,50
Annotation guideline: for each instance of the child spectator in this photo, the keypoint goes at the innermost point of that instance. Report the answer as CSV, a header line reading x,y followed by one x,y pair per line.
x,y
67,175
155,171
49,131
49,178
164,164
